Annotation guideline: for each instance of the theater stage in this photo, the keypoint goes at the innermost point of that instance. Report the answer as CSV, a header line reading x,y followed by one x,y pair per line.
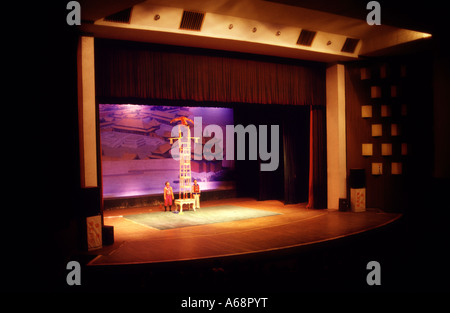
x,y
293,226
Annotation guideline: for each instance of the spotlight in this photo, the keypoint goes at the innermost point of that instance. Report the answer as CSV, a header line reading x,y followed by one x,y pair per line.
x,y
230,26
254,29
278,33
328,43
157,17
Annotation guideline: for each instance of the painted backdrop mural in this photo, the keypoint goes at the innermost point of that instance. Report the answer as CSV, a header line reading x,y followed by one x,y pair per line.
x,y
136,152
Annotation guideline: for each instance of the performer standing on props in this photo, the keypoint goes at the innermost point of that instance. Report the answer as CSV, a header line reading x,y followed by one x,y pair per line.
x,y
168,196
196,194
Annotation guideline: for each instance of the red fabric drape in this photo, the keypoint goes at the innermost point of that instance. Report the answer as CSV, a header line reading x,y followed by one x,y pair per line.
x,y
317,197
145,72
310,204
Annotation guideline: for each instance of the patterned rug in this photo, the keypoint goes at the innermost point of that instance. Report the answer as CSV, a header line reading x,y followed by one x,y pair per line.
x,y
203,216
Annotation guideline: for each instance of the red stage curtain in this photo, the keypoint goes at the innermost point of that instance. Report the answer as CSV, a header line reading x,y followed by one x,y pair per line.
x,y
295,125
144,71
317,197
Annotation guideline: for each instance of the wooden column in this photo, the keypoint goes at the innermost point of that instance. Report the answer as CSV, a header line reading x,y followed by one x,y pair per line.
x,y
87,113
336,136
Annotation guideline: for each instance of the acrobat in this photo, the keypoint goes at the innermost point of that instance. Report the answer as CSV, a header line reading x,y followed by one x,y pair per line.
x,y
168,196
196,194
183,120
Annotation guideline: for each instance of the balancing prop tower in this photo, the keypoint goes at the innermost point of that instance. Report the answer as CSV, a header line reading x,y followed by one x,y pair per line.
x,y
184,147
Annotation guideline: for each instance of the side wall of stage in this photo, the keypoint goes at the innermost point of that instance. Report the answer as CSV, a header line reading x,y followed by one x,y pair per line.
x,y
389,128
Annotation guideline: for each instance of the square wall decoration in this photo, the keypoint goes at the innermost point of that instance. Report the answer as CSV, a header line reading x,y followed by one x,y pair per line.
x,y
366,111
377,130
375,92
365,73
395,130
367,149
386,149
396,168
404,149
385,110
394,91
377,168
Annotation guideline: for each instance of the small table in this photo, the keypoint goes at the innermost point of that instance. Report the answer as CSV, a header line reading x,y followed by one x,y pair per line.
x,y
181,202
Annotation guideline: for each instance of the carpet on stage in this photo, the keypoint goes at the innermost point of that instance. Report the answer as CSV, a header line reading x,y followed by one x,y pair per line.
x,y
203,216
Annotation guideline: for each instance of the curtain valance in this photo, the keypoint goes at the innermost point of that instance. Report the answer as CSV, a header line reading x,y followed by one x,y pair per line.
x,y
145,72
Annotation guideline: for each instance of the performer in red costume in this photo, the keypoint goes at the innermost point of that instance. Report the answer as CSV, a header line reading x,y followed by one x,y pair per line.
x,y
183,120
196,194
168,196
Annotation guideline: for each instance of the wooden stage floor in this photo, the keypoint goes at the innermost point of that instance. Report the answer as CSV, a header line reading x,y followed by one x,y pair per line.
x,y
296,226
